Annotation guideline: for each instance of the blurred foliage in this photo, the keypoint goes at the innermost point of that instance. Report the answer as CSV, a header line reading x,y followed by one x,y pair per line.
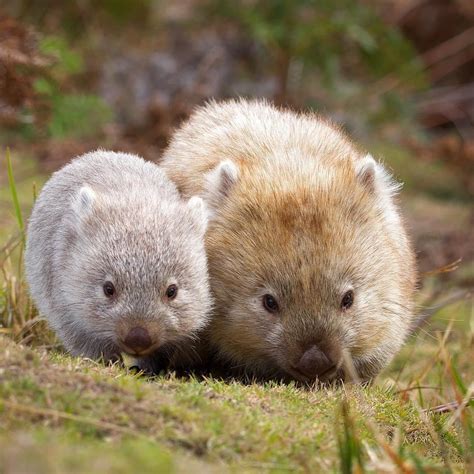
x,y
67,61
71,114
77,115
74,17
318,53
153,61
342,37
52,106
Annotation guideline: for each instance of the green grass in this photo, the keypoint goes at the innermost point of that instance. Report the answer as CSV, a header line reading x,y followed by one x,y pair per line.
x,y
22,185
44,451
239,426
15,201
63,414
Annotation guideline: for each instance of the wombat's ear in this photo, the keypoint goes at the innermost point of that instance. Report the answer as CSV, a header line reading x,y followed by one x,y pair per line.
x,y
84,201
375,177
219,182
200,215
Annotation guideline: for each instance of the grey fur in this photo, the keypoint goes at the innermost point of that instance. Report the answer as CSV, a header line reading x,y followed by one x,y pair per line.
x,y
113,216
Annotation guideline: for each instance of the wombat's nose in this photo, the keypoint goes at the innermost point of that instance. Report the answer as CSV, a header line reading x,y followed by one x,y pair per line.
x,y
138,339
314,362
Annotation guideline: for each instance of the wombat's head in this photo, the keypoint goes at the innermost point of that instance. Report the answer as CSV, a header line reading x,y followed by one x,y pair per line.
x,y
135,273
311,268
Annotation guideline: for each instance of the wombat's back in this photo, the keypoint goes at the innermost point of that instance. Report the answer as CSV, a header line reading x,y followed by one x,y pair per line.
x,y
110,172
247,133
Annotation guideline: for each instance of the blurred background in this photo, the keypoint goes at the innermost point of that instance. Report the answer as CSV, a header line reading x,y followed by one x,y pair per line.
x,y
398,75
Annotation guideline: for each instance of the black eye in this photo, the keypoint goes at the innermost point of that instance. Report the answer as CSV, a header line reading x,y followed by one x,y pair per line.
x,y
171,292
270,303
109,289
347,300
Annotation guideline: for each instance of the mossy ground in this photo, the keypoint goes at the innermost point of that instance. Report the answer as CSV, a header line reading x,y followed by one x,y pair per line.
x,y
70,415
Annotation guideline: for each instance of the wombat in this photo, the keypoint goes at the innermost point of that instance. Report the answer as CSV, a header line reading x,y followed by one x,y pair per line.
x,y
309,261
115,258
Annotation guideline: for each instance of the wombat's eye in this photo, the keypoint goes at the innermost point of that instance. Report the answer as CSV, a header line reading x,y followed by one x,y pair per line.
x,y
109,289
270,303
171,292
347,300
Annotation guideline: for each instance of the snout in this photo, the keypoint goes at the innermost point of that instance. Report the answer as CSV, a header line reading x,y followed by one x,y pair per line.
x,y
138,341
318,362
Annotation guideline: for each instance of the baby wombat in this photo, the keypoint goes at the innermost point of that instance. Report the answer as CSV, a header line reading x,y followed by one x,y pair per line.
x,y
115,258
309,261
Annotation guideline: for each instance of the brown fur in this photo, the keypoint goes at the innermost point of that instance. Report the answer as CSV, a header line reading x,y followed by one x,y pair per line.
x,y
300,223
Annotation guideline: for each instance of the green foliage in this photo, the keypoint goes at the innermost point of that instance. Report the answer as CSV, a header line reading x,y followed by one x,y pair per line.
x,y
336,38
77,115
124,11
67,61
77,18
324,33
69,113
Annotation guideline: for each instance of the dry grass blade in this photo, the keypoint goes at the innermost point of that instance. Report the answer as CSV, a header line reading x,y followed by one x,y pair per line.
x,y
464,403
445,407
450,267
417,387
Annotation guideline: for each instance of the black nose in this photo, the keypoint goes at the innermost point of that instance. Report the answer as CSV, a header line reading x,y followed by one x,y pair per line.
x,y
138,339
314,362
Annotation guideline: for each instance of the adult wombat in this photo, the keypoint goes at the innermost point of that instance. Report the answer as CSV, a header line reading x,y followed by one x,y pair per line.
x,y
309,261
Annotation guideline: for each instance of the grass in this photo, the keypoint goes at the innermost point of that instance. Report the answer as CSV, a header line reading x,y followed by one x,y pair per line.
x,y
16,198
63,414
215,423
16,203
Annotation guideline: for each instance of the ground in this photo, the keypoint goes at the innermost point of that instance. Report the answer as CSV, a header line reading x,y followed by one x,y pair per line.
x,y
68,415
